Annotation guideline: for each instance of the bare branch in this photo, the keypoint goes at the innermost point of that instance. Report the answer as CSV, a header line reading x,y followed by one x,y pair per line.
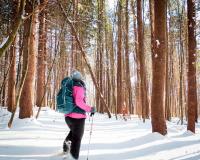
x,y
15,29
84,57
5,45
37,9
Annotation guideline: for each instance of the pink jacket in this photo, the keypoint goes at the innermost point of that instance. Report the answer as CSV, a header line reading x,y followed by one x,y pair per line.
x,y
79,98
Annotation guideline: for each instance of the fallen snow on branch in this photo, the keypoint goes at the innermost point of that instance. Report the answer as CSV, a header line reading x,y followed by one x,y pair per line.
x,y
4,42
157,43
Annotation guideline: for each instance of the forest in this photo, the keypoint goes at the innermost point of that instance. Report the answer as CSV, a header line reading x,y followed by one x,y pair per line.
x,y
138,57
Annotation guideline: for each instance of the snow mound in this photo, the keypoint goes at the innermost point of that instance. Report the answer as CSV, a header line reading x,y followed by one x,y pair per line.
x,y
187,133
27,123
46,111
4,112
154,136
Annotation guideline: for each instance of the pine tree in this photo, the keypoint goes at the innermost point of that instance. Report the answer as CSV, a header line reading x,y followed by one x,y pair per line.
x,y
143,81
119,58
192,88
41,66
27,96
159,64
12,70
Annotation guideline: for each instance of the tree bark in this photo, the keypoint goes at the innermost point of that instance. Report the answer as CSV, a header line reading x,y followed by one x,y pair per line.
x,y
12,71
73,43
12,78
100,50
14,30
138,102
5,82
128,79
41,66
119,59
159,71
27,96
143,83
192,88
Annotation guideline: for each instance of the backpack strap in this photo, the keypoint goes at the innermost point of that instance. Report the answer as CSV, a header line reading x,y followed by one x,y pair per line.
x,y
67,88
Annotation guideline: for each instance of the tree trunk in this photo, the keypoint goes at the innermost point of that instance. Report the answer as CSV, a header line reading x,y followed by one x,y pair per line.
x,y
14,30
181,63
27,96
73,43
167,83
19,66
192,89
119,59
112,72
128,79
12,71
138,102
159,71
12,78
143,83
5,83
107,71
100,50
41,67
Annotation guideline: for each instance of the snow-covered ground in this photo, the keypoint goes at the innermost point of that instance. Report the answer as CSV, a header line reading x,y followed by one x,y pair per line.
x,y
111,139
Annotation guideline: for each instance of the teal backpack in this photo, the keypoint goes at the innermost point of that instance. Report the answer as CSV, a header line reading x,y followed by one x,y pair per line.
x,y
64,97
65,102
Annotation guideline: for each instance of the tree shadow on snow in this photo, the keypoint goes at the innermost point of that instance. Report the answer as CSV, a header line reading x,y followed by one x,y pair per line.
x,y
134,153
27,152
191,156
152,137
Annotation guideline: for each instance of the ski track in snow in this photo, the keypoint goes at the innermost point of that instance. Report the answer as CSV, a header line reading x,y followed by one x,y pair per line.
x,y
31,139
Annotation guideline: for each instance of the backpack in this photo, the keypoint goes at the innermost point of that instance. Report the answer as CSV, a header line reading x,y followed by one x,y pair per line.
x,y
64,97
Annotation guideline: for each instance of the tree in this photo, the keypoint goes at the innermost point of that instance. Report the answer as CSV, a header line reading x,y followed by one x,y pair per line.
x,y
27,96
141,56
119,58
100,51
138,102
159,71
12,71
41,65
168,72
12,78
128,79
15,28
192,87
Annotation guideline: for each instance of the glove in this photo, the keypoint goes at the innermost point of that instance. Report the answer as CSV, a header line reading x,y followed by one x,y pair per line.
x,y
93,111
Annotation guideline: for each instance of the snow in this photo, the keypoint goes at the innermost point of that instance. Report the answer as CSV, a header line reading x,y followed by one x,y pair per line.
x,y
190,25
111,4
23,17
4,42
111,139
157,43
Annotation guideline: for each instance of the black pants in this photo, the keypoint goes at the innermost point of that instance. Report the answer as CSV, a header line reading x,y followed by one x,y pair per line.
x,y
75,135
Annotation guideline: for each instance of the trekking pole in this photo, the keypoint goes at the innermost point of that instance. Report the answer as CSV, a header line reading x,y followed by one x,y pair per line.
x,y
90,137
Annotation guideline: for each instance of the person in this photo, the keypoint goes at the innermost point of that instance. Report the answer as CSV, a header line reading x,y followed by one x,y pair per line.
x,y
76,119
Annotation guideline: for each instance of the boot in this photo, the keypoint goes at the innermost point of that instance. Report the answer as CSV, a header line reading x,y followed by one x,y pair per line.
x,y
66,147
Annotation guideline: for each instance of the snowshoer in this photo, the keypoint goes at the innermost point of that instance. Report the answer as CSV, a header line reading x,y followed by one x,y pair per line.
x,y
76,118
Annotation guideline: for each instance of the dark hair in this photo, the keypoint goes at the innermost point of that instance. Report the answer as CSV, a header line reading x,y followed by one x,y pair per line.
x,y
79,82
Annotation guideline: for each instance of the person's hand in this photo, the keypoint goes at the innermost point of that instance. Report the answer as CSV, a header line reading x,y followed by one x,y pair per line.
x,y
93,111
